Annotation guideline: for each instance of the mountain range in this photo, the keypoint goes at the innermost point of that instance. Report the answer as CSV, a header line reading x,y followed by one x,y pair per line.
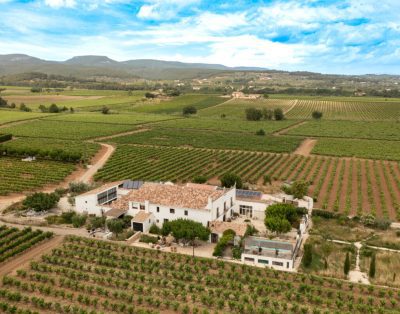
x,y
102,66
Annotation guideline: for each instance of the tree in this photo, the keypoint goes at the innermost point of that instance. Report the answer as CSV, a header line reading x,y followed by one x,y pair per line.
x,y
346,268
36,90
229,179
78,220
260,132
97,222
23,107
308,255
54,108
253,114
185,230
41,201
298,189
267,114
200,179
189,110
149,95
278,114
115,225
277,224
317,115
3,102
105,110
266,96
372,267
43,108
326,249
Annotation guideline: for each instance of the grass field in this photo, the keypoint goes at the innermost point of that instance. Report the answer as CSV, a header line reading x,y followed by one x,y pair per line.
x,y
382,130
176,104
66,130
211,139
117,118
346,110
7,116
18,176
93,276
235,108
226,125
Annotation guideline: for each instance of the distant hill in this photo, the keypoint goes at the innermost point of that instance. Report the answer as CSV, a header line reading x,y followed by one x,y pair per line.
x,y
90,66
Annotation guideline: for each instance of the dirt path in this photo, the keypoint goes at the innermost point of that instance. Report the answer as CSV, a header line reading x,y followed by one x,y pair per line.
x,y
34,253
305,147
83,175
293,126
121,134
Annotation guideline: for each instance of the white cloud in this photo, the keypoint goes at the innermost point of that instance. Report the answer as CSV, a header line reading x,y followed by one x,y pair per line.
x,y
60,3
163,9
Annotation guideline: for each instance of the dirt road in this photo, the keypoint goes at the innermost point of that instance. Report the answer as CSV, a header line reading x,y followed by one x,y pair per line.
x,y
34,253
305,147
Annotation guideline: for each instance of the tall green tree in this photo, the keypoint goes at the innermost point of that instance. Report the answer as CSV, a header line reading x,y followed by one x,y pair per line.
x,y
41,201
346,267
229,179
115,225
372,266
278,114
253,114
186,230
308,255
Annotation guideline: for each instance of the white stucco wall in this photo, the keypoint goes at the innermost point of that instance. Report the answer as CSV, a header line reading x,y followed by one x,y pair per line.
x,y
87,204
287,264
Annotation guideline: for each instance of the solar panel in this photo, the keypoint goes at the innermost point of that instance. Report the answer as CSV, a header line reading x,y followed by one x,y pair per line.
x,y
132,185
247,193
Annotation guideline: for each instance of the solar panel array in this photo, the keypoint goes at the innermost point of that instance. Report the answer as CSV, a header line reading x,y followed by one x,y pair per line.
x,y
248,194
132,185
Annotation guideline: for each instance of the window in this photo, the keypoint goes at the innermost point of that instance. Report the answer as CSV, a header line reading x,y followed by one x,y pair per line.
x,y
246,210
149,221
158,209
172,211
141,207
224,206
166,220
263,261
186,213
217,211
249,259
277,263
287,264
231,201
158,220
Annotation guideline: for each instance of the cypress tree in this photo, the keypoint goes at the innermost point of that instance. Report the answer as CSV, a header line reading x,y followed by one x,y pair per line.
x,y
307,258
372,267
347,264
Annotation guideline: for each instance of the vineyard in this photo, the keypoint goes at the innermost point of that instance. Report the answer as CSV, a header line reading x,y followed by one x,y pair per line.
x,y
380,130
18,176
226,125
14,241
89,276
211,139
235,108
350,186
176,104
66,130
34,147
7,116
346,110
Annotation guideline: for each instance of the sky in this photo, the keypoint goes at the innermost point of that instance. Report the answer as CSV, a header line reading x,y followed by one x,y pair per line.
x,y
327,36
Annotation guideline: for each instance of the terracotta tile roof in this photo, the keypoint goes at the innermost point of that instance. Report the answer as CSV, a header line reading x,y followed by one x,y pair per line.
x,y
174,195
202,186
102,188
220,226
141,217
115,212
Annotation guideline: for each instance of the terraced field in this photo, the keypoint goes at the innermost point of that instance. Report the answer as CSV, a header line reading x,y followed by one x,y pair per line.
x,y
91,276
346,110
18,176
350,186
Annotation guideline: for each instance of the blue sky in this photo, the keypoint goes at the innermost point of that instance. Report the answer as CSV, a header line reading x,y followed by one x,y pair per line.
x,y
328,36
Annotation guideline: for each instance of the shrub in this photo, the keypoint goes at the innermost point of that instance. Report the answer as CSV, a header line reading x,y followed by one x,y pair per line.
x,y
278,114
78,220
150,95
155,229
253,114
148,239
226,238
115,225
260,132
200,179
41,201
228,180
317,115
189,110
105,110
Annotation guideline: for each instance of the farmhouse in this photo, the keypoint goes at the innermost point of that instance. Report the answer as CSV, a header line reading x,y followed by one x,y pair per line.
x,y
241,95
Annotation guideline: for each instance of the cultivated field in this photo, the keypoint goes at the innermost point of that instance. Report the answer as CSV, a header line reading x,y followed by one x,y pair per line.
x,y
347,110
349,186
211,139
89,276
7,116
14,241
19,176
